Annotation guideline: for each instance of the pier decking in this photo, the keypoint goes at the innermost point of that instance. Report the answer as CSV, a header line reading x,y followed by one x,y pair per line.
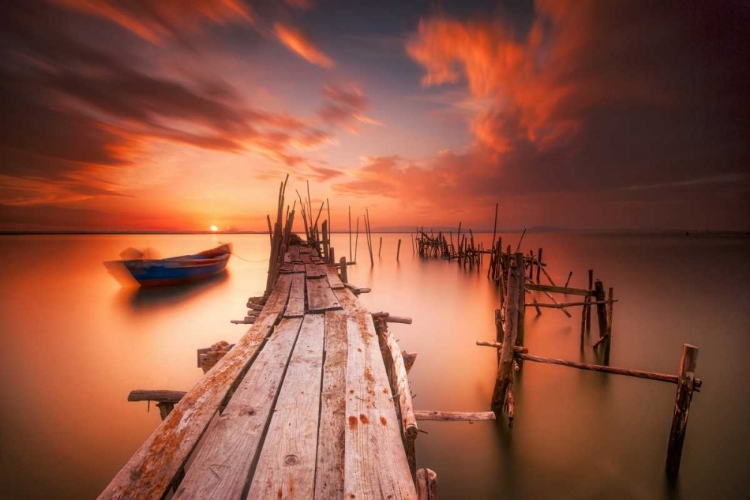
x,y
307,407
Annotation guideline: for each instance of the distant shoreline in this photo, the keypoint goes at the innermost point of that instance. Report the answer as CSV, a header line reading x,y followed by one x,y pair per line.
x,y
592,232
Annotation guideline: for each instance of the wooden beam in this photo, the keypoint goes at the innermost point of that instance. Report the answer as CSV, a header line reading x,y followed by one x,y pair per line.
x,y
160,396
557,289
661,377
454,416
499,345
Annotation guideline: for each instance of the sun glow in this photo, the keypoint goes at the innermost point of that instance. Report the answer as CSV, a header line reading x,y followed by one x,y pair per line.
x,y
214,228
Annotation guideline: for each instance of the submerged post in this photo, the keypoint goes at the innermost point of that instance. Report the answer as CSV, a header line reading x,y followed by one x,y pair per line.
x,y
684,395
601,307
502,398
398,248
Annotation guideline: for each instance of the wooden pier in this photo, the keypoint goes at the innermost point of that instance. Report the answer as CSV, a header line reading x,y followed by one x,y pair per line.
x,y
312,402
308,407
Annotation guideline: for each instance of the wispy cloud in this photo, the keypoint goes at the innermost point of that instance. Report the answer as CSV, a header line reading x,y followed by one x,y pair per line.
x,y
157,20
299,43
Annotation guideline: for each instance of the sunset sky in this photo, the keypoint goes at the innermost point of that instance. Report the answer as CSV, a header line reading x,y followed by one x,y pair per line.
x,y
183,114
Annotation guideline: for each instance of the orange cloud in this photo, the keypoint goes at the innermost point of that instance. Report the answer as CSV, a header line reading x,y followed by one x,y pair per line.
x,y
300,44
157,20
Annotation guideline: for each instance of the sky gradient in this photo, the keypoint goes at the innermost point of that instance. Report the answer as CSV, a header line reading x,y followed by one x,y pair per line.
x,y
183,114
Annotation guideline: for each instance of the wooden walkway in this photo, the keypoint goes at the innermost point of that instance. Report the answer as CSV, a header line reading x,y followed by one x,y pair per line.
x,y
308,410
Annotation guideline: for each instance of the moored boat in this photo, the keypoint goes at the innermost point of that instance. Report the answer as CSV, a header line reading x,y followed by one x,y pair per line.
x,y
181,269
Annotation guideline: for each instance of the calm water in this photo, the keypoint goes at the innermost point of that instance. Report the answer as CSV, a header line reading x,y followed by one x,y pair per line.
x,y
74,343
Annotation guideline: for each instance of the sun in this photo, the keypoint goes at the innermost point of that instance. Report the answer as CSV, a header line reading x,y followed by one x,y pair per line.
x,y
214,228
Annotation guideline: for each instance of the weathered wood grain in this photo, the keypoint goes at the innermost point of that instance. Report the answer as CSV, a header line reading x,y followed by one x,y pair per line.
x,y
320,297
375,460
454,416
315,270
427,484
294,252
348,301
152,468
299,268
222,466
286,467
333,278
329,474
295,308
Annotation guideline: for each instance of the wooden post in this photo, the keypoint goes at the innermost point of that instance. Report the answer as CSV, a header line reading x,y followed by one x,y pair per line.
x,y
342,267
351,259
504,377
539,264
426,485
684,395
570,274
332,257
601,307
380,246
398,248
325,242
588,309
356,240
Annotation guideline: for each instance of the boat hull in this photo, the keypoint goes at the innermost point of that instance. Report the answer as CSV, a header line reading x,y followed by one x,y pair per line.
x,y
179,270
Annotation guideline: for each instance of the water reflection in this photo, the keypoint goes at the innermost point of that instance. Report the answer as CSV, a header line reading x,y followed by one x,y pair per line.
x,y
140,299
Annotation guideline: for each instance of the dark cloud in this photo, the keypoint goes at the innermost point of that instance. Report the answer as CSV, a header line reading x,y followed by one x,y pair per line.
x,y
596,98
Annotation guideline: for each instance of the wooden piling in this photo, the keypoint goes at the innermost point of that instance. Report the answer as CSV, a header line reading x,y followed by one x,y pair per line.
x,y
325,241
426,484
601,307
588,309
539,264
398,248
380,246
685,386
342,266
351,259
504,377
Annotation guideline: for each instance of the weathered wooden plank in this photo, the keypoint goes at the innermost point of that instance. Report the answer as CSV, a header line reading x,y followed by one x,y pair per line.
x,y
286,268
295,308
320,297
152,468
454,416
305,258
286,467
222,466
348,301
329,474
298,268
333,278
315,270
294,253
375,460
